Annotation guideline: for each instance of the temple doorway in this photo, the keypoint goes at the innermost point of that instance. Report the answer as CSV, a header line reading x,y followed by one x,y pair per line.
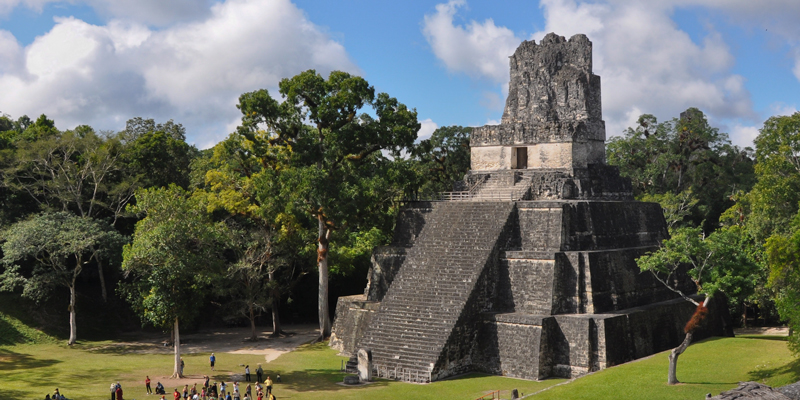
x,y
521,158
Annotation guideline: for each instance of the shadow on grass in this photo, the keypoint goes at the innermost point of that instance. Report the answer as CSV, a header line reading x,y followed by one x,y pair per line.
x,y
19,394
319,380
120,349
763,337
10,360
791,369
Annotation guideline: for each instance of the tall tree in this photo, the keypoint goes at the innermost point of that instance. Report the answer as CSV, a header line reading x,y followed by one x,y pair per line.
x,y
246,187
336,173
772,213
176,254
684,156
773,202
715,263
157,154
60,244
784,277
443,159
78,171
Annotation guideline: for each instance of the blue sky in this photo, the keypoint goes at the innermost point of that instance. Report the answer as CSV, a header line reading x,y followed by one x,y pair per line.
x,y
101,62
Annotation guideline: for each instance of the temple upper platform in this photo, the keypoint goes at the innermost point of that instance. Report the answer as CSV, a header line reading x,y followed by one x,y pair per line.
x,y
553,112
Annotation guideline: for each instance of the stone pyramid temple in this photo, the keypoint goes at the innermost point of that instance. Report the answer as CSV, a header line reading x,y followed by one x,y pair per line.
x,y
529,271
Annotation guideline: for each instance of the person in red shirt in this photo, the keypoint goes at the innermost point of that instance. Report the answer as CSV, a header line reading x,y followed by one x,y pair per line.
x,y
147,383
177,394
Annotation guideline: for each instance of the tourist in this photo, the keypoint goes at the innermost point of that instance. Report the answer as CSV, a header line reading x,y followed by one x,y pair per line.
x,y
193,392
185,391
222,387
259,388
160,389
212,359
228,397
47,396
259,374
113,390
182,364
247,391
247,373
205,381
268,383
119,391
236,395
203,394
147,384
247,397
176,394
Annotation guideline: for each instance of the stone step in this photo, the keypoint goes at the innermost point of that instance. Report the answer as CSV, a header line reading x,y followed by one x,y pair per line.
x,y
430,290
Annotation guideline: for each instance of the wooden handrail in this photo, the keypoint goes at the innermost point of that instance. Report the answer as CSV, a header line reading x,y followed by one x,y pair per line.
x,y
495,395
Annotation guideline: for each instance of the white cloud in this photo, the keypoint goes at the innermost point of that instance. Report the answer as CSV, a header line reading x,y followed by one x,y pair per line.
x,y
783,109
153,12
743,135
150,12
479,49
78,73
426,129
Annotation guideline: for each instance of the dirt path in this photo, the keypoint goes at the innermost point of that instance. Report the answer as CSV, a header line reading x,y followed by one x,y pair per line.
x,y
230,340
771,331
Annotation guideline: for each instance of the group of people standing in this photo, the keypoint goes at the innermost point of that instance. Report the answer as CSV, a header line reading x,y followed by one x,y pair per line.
x,y
213,391
223,391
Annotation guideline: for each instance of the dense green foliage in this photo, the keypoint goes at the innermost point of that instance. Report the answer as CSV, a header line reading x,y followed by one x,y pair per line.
x,y
443,159
326,152
685,164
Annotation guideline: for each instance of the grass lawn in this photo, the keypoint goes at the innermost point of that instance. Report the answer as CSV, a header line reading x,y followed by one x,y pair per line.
x,y
29,371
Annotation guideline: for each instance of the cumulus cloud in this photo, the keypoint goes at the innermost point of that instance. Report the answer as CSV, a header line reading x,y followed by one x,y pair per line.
x,y
743,135
427,126
78,73
478,49
153,12
647,64
150,12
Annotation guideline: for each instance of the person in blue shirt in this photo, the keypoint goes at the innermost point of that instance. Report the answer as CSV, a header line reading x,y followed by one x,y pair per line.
x,y
212,359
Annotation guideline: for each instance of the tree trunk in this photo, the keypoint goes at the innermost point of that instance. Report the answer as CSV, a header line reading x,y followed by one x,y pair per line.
x,y
176,337
744,316
275,303
253,334
73,335
276,321
673,359
322,260
102,280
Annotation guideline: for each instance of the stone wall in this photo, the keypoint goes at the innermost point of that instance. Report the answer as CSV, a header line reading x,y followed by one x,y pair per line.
x,y
511,345
386,261
353,314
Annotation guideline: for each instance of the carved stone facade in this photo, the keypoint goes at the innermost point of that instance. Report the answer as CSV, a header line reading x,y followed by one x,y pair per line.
x,y
535,274
553,113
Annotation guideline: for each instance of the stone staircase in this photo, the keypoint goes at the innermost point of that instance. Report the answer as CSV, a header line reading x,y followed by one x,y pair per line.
x,y
497,188
421,308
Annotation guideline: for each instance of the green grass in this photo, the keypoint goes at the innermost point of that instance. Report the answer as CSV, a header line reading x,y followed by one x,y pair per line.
x,y
710,366
28,371
14,331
